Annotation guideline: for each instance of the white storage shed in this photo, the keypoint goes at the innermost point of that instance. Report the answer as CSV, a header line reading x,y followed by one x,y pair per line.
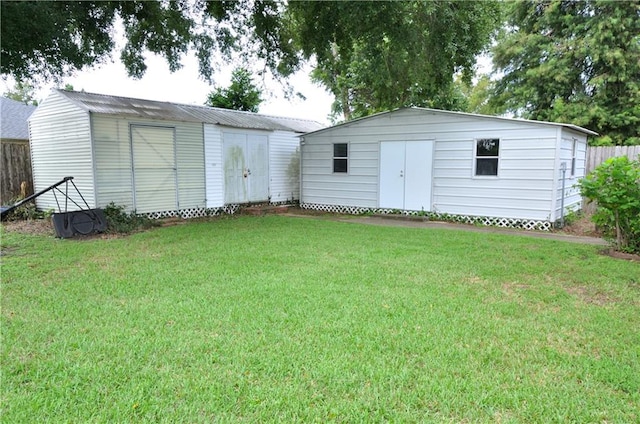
x,y
163,159
468,167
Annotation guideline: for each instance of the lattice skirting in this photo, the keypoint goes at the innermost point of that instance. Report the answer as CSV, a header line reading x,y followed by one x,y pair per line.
x,y
194,212
525,224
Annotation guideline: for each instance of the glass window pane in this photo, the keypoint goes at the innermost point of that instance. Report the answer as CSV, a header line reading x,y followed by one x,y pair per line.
x,y
486,166
340,150
487,147
339,165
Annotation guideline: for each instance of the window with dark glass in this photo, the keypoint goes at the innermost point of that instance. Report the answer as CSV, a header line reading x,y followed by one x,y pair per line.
x,y
340,157
487,150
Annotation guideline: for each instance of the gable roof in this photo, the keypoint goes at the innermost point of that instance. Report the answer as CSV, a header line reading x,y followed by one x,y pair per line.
x,y
13,119
151,109
452,113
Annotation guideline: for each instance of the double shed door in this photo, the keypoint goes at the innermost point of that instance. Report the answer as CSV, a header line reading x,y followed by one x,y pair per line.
x,y
246,167
153,156
406,169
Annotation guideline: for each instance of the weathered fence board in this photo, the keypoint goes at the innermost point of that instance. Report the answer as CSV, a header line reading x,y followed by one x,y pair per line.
x,y
597,155
15,169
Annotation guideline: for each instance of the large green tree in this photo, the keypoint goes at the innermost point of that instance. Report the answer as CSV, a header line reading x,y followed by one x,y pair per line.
x,y
573,61
372,56
48,40
242,93
376,56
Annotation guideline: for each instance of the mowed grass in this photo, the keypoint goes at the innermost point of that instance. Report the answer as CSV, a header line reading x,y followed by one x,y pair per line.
x,y
281,319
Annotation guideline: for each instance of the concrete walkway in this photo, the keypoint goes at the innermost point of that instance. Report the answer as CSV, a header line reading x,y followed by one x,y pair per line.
x,y
395,221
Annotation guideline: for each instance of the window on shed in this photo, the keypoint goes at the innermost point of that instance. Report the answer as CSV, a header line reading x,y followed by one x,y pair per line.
x,y
574,155
487,151
340,157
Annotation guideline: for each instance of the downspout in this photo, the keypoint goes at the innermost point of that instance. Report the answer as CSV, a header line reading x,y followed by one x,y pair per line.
x,y
300,174
563,169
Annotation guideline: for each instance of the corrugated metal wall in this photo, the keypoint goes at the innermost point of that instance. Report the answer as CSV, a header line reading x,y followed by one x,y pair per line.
x,y
213,166
284,166
60,146
114,174
190,163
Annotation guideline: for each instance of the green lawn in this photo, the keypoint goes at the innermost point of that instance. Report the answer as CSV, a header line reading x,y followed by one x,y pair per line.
x,y
282,319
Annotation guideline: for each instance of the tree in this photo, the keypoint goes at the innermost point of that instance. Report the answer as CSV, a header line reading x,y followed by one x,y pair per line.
x,y
372,56
575,62
242,94
22,92
477,96
50,40
376,56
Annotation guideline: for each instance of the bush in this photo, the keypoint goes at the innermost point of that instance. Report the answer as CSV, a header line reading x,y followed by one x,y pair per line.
x,y
119,221
26,211
615,187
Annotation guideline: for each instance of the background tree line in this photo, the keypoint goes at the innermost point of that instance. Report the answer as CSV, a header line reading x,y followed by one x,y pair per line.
x,y
557,60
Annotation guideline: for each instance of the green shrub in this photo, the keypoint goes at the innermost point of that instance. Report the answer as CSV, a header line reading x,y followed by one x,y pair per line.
x,y
615,187
119,221
26,211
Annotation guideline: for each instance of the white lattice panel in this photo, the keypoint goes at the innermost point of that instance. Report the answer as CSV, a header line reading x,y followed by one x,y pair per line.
x,y
465,219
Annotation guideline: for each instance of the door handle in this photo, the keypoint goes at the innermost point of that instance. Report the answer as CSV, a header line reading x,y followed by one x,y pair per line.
x,y
401,174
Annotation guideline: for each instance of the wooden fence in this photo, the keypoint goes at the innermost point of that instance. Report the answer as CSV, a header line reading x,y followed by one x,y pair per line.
x,y
597,155
15,171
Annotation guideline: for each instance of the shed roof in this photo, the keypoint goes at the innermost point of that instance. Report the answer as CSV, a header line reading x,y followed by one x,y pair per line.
x,y
151,109
448,112
13,119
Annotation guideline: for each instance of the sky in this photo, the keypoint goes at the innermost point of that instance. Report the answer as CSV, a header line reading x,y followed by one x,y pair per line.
x,y
185,86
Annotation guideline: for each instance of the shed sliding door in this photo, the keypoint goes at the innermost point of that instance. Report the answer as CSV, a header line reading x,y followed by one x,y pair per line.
x,y
154,168
405,175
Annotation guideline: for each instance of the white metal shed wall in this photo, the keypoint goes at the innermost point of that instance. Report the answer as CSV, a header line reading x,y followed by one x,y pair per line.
x,y
60,140
572,198
190,163
114,175
284,166
523,189
213,166
112,149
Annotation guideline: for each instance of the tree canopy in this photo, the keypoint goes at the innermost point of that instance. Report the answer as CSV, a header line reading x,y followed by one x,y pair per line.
x,y
242,94
372,56
50,40
376,56
575,62
22,92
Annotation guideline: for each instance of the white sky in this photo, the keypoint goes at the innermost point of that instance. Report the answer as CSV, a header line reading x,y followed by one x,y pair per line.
x,y
185,86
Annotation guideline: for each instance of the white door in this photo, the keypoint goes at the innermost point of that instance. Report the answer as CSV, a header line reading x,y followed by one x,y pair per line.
x,y
392,155
154,169
235,187
258,168
418,174
246,169
405,175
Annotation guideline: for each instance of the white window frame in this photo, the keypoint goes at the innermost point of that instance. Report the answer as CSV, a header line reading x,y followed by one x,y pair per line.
x,y
334,158
476,157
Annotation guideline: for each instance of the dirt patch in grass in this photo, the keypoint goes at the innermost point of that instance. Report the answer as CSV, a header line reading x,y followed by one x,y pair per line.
x,y
583,226
591,296
621,255
42,227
